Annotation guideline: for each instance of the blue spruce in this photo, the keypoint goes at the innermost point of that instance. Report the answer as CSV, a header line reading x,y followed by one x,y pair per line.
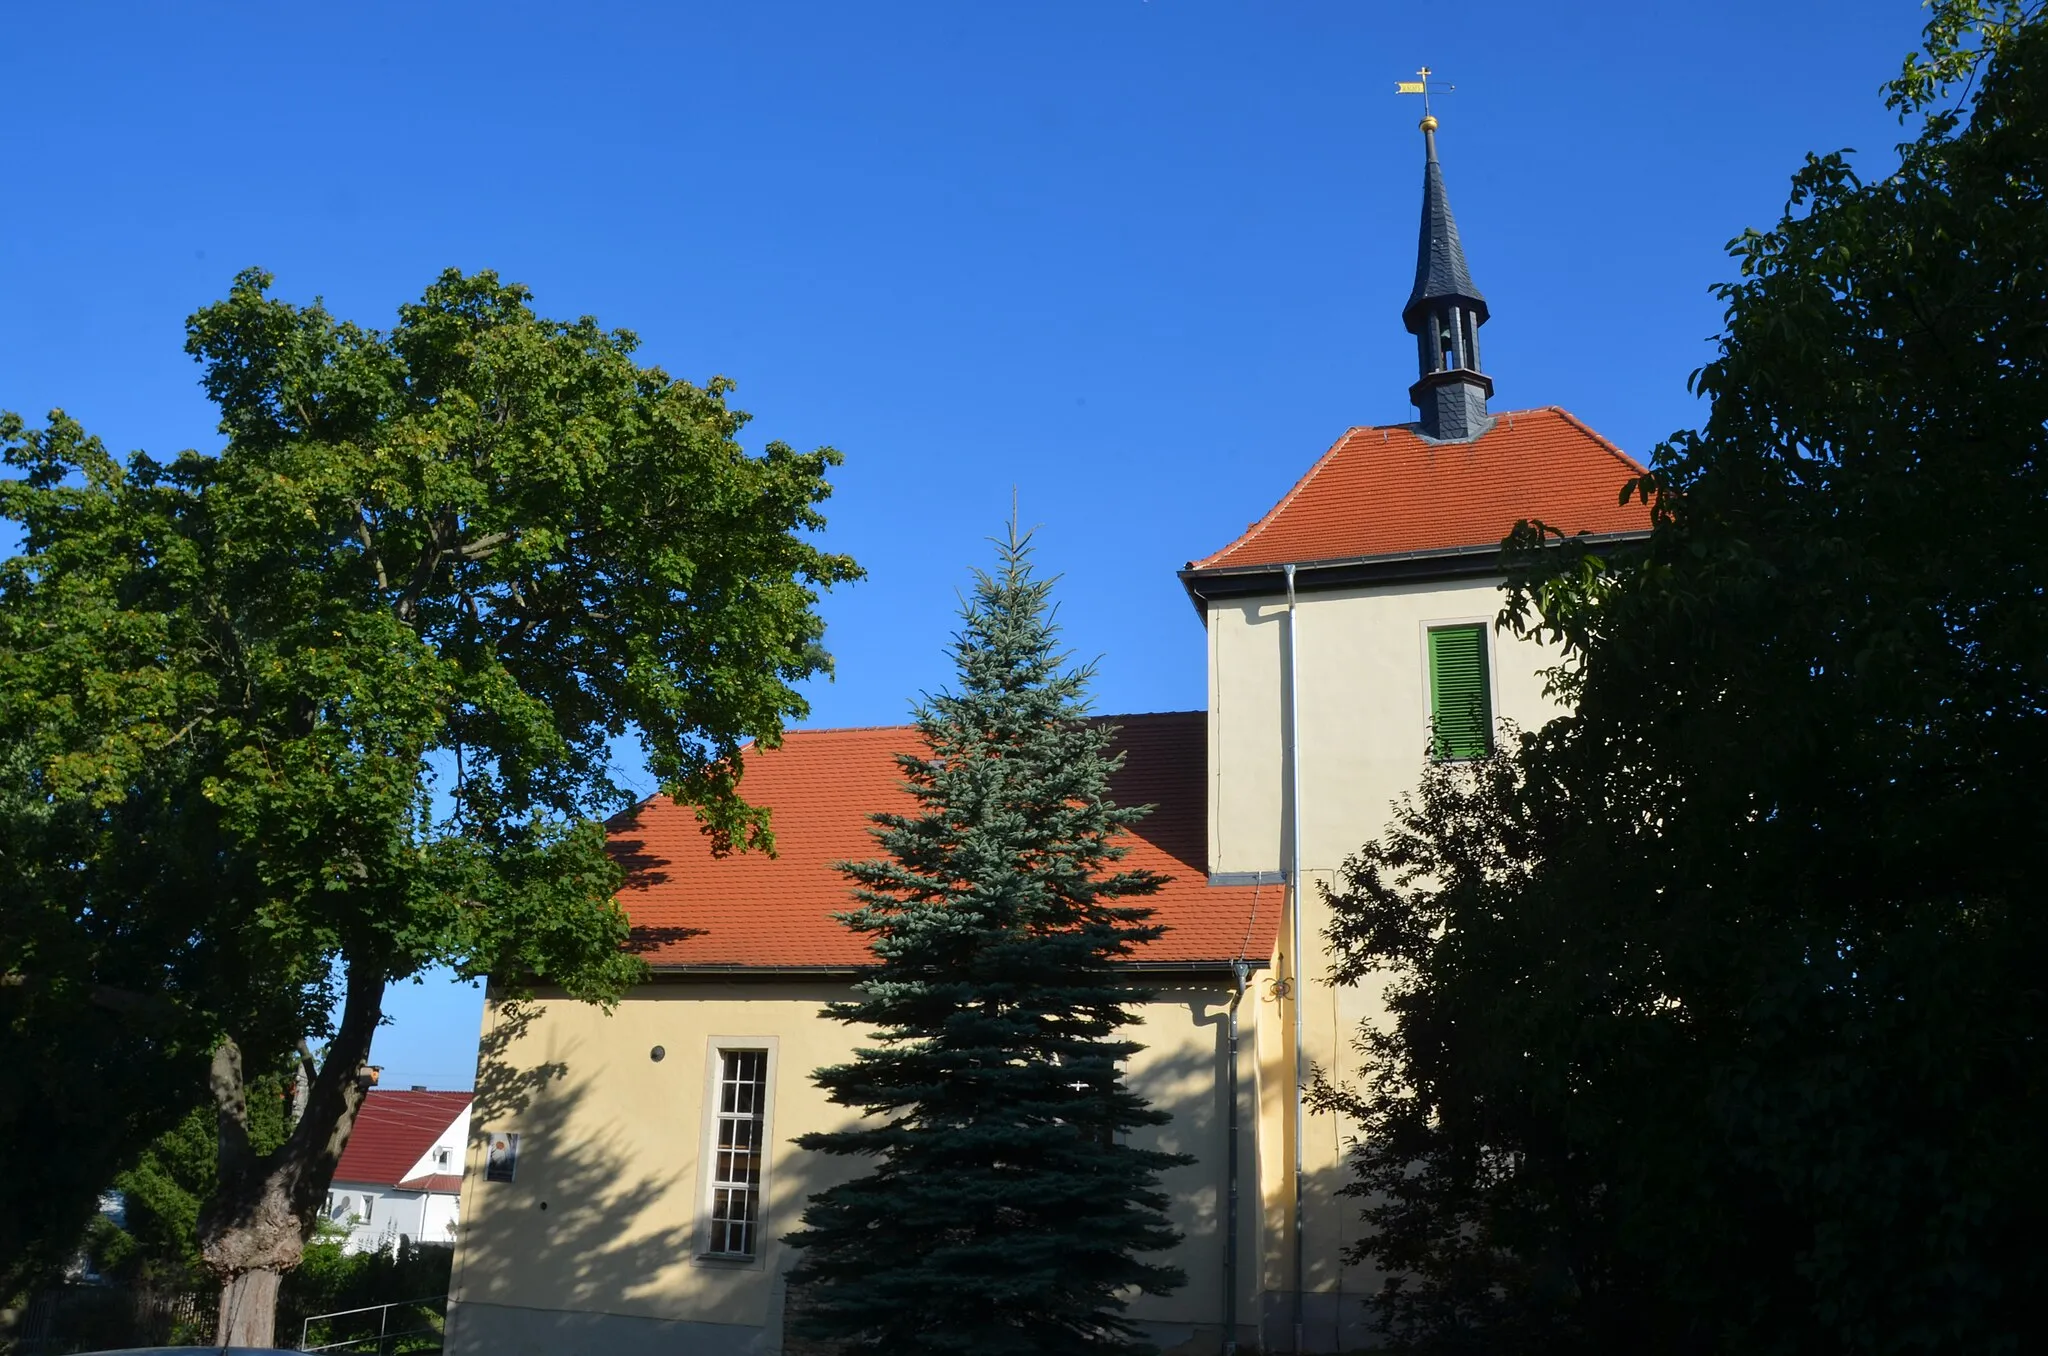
x,y
1006,1211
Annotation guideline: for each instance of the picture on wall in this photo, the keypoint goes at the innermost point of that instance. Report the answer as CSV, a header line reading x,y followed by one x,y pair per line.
x,y
501,1160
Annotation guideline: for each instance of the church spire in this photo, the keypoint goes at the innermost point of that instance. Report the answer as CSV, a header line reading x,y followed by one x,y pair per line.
x,y
1444,313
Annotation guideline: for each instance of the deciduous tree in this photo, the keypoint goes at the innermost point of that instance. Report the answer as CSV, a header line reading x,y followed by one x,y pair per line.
x,y
1716,1006
305,716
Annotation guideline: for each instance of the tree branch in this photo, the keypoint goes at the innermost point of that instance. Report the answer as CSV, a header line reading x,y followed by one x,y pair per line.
x,y
128,1003
483,548
423,573
131,1004
231,1109
337,1094
302,1086
370,551
190,726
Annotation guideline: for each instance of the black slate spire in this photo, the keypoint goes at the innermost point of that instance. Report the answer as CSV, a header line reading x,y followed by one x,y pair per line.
x,y
1444,313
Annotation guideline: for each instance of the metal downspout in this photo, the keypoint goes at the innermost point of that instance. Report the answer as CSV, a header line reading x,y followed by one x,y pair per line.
x,y
1230,1279
1295,959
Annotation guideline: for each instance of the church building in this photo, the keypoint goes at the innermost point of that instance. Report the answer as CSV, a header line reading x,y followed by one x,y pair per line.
x,y
630,1175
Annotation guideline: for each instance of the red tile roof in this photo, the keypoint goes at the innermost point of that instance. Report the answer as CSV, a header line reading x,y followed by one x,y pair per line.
x,y
392,1130
689,908
433,1181
1385,491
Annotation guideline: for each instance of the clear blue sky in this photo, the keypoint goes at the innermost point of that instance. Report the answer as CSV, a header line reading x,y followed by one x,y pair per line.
x,y
1140,259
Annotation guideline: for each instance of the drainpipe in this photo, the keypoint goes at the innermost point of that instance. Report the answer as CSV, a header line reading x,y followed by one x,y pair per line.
x,y
1230,1280
1294,937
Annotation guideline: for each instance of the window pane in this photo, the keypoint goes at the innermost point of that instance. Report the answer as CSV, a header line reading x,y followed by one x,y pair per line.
x,y
736,1154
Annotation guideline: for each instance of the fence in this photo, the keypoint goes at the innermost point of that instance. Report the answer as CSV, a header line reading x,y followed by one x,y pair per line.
x,y
96,1317
413,1325
78,1318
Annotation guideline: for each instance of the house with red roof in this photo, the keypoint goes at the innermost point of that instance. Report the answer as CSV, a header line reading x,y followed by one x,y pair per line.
x,y
631,1175
400,1178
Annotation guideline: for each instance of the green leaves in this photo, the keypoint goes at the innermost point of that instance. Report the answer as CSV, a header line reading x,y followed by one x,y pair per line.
x,y
341,698
1713,1005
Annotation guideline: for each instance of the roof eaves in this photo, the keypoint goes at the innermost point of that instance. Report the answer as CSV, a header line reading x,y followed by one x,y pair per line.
x,y
679,973
1453,562
742,970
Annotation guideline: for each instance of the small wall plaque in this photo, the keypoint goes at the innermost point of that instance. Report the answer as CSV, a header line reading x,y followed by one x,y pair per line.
x,y
501,1158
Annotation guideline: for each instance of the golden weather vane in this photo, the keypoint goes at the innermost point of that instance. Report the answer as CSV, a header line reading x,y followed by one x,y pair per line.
x,y
1421,86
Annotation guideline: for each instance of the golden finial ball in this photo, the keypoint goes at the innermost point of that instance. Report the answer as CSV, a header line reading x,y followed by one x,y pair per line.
x,y
1429,122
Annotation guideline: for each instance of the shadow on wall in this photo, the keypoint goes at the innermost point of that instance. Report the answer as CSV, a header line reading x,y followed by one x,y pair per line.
x,y
594,1244
1338,1315
1336,1312
1185,1072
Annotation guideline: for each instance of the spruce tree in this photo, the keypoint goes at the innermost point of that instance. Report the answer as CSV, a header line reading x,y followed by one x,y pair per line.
x,y
1005,1212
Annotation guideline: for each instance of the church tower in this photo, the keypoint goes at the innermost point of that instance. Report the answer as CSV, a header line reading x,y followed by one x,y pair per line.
x,y
1352,643
1444,313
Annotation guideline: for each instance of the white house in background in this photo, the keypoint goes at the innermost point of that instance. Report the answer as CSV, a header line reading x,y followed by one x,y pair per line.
x,y
400,1177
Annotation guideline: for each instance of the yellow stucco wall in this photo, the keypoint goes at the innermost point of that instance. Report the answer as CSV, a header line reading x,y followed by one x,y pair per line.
x,y
613,1140
603,1221
1364,720
1364,690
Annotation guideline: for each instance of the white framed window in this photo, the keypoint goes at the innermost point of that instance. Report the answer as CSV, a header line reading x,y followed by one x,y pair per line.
x,y
444,1158
347,1207
739,1097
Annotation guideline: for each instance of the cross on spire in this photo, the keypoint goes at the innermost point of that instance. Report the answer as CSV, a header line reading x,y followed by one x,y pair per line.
x,y
1420,85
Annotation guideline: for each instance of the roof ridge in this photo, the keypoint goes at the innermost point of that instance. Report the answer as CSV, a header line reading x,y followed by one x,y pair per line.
x,y
652,796
1416,494
1251,534
1613,450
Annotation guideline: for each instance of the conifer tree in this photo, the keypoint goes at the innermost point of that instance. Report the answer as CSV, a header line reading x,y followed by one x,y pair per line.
x,y
1005,1212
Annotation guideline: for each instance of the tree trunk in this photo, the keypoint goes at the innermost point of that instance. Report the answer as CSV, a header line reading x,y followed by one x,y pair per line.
x,y
248,1309
254,1227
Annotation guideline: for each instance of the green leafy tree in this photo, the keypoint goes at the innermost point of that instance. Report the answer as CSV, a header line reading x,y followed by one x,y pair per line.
x,y
1716,1018
400,1274
1005,1212
301,718
156,1244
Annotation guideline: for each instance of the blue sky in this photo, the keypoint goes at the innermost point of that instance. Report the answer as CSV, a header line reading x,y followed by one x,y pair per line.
x,y
1140,260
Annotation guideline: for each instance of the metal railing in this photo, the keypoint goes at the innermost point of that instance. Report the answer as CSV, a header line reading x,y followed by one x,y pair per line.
x,y
385,1340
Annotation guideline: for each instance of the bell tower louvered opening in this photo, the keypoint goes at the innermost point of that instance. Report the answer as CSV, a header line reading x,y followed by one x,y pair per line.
x,y
1444,313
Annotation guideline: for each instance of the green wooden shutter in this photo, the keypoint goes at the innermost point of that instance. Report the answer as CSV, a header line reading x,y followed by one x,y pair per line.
x,y
1461,717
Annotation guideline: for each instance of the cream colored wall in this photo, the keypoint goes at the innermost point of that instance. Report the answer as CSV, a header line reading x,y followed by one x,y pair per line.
x,y
605,1212
1183,1070
1364,730
604,1215
1364,690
